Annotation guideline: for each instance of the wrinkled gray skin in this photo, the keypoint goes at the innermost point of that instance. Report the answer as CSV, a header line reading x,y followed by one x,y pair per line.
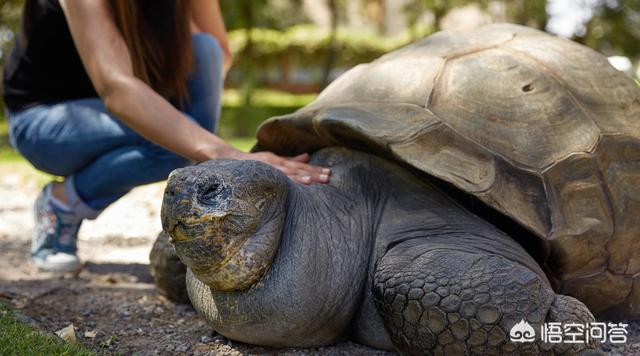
x,y
377,255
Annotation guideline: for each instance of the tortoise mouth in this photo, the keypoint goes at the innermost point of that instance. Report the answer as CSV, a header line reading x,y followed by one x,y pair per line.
x,y
182,232
203,242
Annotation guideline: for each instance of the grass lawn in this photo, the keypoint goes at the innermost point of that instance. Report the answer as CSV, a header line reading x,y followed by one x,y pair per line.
x,y
17,338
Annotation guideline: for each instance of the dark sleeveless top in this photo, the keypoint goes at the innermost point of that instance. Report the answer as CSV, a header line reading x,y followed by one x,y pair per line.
x,y
43,65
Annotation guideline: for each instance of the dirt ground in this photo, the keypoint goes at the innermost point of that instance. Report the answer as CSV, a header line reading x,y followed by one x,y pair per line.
x,y
112,302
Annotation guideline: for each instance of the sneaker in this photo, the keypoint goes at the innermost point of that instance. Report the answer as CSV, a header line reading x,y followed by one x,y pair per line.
x,y
53,247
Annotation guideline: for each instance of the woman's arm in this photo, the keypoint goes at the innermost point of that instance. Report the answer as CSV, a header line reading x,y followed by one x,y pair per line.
x,y
108,63
207,17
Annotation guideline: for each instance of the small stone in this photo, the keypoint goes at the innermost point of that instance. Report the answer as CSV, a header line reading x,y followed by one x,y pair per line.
x,y
24,318
67,333
109,342
90,334
206,339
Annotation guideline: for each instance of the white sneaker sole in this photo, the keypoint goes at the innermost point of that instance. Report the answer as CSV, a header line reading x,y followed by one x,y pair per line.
x,y
58,263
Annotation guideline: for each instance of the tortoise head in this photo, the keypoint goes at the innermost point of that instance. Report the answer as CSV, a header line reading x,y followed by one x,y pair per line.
x,y
225,219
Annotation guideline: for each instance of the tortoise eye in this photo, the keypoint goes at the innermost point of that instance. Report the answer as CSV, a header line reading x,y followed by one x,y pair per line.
x,y
209,194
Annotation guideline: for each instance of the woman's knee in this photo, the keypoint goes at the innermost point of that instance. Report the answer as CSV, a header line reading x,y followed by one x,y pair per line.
x,y
163,159
24,136
40,156
207,51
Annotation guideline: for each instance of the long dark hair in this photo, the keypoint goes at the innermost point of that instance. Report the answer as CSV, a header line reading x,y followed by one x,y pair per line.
x,y
158,36
157,33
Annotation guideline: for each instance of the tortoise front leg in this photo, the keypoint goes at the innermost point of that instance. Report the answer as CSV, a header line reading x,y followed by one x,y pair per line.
x,y
439,298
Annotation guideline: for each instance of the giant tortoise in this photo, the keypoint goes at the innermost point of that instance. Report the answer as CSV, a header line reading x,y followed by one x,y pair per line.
x,y
479,180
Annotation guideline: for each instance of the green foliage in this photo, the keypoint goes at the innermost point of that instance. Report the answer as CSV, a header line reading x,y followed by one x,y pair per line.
x,y
531,13
310,44
17,338
614,28
525,12
241,119
232,98
242,143
10,11
275,14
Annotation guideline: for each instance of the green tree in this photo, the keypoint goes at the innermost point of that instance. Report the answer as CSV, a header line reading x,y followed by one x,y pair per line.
x,y
10,11
614,28
531,13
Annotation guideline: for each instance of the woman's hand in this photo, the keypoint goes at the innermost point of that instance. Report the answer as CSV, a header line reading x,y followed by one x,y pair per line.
x,y
295,168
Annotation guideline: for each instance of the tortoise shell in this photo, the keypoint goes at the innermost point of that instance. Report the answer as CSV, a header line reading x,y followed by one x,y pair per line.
x,y
540,128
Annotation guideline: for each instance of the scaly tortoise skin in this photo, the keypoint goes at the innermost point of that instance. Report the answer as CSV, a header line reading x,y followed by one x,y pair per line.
x,y
539,129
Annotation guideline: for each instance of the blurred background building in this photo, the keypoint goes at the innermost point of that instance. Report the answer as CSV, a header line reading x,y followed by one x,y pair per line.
x,y
286,51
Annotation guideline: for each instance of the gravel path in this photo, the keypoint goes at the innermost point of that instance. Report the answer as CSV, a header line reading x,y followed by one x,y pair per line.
x,y
112,302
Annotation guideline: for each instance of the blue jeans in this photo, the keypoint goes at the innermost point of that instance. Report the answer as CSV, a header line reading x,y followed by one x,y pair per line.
x,y
100,157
